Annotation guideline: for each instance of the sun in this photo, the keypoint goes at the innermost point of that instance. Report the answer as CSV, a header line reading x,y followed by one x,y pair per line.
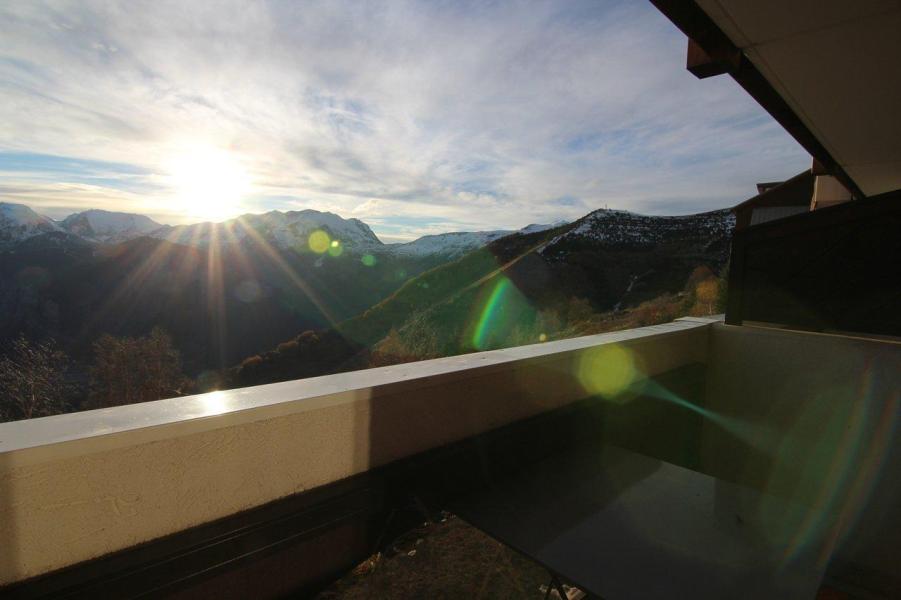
x,y
209,182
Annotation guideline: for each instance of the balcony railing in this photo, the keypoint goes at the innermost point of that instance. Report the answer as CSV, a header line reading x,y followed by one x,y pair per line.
x,y
759,407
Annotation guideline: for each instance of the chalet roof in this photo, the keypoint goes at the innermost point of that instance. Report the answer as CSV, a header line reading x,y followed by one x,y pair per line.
x,y
796,191
826,70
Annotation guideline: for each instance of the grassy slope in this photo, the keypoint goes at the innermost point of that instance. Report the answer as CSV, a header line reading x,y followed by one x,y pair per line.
x,y
572,290
449,309
347,347
453,283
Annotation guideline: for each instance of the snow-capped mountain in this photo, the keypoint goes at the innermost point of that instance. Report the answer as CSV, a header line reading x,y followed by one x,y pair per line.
x,y
453,245
292,230
282,229
614,259
623,228
108,227
447,244
536,227
19,223
606,261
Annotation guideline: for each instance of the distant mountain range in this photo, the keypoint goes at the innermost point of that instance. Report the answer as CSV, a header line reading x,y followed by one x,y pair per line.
x,y
106,227
19,223
510,292
224,290
608,258
282,230
232,290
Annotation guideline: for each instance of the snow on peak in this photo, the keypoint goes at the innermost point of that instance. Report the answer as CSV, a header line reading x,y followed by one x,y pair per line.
x,y
621,227
459,243
447,244
351,232
19,222
535,227
20,214
290,229
110,227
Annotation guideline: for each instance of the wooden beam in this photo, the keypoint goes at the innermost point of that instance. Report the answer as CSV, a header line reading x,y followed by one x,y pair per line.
x,y
703,65
817,168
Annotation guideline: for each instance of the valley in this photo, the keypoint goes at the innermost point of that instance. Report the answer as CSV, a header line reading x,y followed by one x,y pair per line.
x,y
281,296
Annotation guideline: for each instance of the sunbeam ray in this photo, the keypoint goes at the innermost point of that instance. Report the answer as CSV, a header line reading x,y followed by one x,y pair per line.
x,y
130,284
216,305
280,263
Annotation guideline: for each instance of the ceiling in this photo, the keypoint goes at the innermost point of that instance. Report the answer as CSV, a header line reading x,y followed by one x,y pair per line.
x,y
837,63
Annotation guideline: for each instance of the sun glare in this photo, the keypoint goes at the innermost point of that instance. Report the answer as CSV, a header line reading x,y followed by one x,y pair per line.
x,y
209,182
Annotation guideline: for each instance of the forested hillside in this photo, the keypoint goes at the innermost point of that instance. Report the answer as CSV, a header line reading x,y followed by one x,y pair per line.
x,y
610,269
265,308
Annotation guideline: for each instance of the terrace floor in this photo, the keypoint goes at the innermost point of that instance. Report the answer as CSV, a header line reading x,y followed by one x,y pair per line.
x,y
452,559
444,559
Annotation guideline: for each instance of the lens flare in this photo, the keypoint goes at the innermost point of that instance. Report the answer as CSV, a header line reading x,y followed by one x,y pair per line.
x,y
368,260
755,435
829,464
319,241
278,261
502,316
873,455
822,468
248,291
491,312
335,248
609,371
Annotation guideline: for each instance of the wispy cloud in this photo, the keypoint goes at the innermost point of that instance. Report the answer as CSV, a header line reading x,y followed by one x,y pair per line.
x,y
413,116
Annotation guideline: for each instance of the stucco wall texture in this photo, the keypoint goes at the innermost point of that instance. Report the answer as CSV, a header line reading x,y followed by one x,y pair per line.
x,y
66,498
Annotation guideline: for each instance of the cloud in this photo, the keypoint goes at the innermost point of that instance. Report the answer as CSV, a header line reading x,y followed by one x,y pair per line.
x,y
462,115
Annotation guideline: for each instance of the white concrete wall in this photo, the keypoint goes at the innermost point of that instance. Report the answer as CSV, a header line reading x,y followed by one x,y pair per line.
x,y
75,487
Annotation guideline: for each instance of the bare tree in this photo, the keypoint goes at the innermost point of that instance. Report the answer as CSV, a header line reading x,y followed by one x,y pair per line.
x,y
128,370
707,292
33,380
163,377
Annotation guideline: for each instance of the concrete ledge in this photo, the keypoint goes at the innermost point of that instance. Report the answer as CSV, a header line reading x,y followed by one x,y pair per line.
x,y
79,486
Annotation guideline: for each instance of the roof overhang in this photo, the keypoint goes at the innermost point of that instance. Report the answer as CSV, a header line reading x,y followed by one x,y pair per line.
x,y
826,70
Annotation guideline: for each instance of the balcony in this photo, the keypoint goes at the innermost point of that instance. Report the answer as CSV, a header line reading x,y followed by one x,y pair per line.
x,y
283,486
771,435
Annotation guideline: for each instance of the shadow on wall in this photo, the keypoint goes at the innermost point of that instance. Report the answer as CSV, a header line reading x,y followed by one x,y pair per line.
x,y
9,538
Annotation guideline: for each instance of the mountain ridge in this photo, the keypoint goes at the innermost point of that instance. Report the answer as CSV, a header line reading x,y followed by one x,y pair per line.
x,y
105,226
225,303
518,289
19,222
627,233
283,229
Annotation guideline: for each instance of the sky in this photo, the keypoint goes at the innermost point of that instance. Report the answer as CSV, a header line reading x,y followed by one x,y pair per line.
x,y
417,117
